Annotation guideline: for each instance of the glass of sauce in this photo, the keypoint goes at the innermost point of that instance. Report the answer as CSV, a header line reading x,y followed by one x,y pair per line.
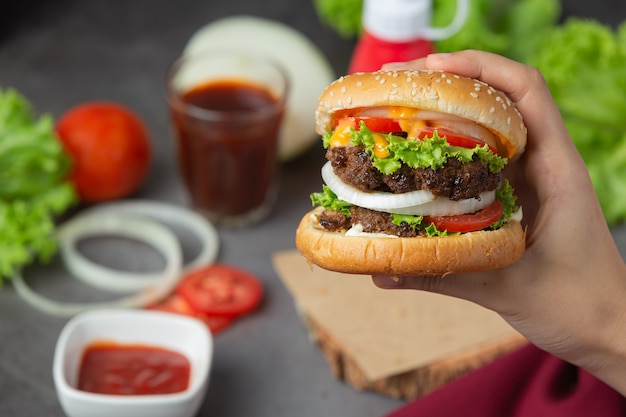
x,y
227,109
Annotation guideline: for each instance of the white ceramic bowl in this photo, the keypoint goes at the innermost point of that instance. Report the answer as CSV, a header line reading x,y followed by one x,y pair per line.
x,y
178,333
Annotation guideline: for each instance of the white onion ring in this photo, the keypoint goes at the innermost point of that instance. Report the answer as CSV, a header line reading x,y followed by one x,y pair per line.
x,y
375,200
103,277
159,236
416,203
447,207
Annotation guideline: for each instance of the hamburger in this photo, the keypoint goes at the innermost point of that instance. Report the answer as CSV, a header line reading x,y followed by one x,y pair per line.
x,y
413,178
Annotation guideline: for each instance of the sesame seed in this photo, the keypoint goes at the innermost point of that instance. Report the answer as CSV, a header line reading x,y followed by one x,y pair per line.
x,y
508,121
437,80
443,75
492,110
332,94
359,83
449,81
349,99
343,89
414,91
382,80
498,99
393,92
394,85
475,95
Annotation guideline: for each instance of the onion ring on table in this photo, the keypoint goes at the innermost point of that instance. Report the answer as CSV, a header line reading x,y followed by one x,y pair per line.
x,y
103,277
159,236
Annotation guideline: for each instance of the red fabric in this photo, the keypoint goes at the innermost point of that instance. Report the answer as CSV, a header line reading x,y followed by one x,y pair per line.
x,y
526,383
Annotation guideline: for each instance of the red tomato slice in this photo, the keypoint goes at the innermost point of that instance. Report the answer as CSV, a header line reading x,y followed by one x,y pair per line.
x,y
221,290
468,222
375,124
215,323
177,305
455,139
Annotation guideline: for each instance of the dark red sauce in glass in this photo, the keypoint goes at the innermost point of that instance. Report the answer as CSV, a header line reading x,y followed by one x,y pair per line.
x,y
228,159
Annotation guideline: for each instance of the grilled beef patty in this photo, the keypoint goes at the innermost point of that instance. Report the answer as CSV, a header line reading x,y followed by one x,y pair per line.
x,y
371,220
455,180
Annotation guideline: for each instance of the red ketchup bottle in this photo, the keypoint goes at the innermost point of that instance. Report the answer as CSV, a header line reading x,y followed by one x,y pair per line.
x,y
399,31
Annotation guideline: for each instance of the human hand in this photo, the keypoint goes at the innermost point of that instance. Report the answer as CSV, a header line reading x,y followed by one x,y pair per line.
x,y
567,294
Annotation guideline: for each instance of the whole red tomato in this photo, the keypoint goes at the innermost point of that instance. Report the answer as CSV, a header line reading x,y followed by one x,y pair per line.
x,y
110,148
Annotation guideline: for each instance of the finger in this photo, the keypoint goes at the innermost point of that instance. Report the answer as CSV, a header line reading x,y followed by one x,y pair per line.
x,y
515,79
551,157
419,63
502,290
421,282
522,83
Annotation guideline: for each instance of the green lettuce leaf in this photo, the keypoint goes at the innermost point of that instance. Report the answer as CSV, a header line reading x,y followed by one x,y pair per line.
x,y
507,197
481,30
33,185
431,152
585,74
415,222
328,199
508,27
344,16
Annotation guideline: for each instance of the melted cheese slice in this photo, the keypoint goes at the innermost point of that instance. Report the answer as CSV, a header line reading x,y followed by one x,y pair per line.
x,y
413,121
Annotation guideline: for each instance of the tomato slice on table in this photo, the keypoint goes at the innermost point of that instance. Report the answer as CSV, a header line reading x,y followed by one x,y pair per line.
x,y
468,222
375,124
177,305
221,290
455,139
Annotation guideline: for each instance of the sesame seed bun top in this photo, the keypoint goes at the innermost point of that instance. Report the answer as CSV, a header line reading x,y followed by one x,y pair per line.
x,y
437,91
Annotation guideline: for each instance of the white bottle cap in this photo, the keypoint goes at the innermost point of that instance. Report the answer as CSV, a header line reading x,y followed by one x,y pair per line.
x,y
406,20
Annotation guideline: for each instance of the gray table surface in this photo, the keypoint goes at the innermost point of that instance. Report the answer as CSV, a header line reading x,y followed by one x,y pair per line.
x,y
62,53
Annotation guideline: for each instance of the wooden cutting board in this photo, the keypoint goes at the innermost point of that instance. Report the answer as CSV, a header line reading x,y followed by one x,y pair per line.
x,y
397,342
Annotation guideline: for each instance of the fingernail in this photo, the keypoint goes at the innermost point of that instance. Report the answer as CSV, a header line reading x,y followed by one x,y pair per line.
x,y
388,281
440,56
393,65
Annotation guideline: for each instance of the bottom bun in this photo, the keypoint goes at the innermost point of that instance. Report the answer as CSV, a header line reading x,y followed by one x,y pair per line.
x,y
468,252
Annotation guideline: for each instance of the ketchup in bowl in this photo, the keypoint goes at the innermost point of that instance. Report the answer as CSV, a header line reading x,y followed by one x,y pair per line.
x,y
119,369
